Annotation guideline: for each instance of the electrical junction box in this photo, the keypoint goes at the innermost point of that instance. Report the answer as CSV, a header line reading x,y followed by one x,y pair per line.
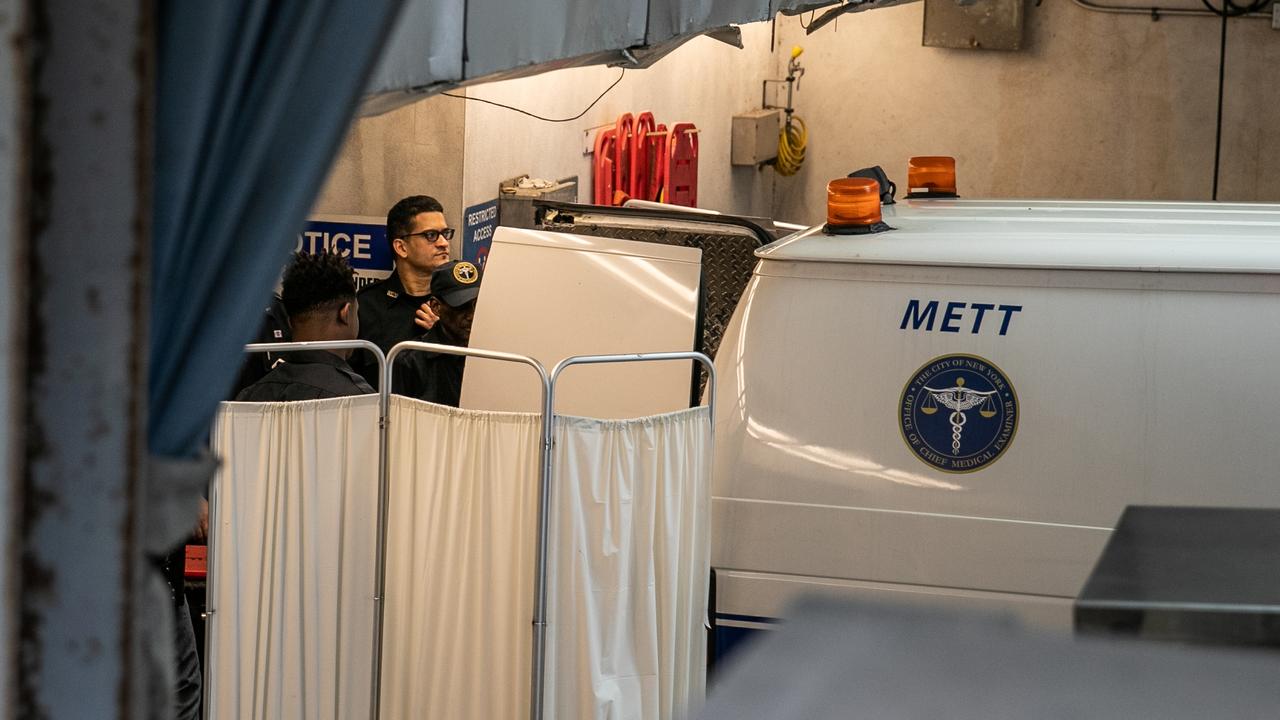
x,y
974,24
755,137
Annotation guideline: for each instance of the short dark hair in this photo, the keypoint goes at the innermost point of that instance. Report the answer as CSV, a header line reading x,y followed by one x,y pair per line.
x,y
400,216
317,282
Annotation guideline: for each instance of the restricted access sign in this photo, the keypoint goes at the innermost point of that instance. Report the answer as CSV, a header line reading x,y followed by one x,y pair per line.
x,y
478,224
361,239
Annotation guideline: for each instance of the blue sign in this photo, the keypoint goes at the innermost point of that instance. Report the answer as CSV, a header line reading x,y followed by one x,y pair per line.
x,y
958,413
362,241
478,224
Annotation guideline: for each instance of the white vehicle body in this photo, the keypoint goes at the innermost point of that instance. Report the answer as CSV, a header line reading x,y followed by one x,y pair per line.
x,y
1143,352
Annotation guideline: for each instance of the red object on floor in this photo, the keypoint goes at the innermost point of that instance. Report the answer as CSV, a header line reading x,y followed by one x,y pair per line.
x,y
602,169
682,165
196,564
641,158
625,131
657,164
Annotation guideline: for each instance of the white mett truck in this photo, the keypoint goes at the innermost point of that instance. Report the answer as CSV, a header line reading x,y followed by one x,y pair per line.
x,y
950,401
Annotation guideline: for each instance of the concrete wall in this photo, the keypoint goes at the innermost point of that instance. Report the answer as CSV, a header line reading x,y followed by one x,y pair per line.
x,y
458,150
416,150
704,82
1098,106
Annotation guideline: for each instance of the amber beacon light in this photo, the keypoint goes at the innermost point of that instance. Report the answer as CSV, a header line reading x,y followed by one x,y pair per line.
x,y
931,175
853,202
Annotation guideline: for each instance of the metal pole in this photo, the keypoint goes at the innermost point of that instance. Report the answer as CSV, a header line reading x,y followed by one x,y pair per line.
x,y
1157,12
540,598
384,490
384,429
319,345
209,595
640,357
77,151
383,404
537,668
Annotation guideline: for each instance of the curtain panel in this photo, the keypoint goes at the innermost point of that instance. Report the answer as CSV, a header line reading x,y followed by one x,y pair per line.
x,y
630,567
294,529
461,533
295,513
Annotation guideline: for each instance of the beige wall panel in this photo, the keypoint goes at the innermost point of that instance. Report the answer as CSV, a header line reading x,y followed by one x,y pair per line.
x,y
416,150
1251,113
420,148
1098,106
704,81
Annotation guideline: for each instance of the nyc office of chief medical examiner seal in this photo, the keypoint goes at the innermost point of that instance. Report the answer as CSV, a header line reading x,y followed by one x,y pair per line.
x,y
958,413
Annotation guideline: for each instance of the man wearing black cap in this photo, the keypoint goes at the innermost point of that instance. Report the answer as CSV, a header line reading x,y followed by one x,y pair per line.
x,y
436,377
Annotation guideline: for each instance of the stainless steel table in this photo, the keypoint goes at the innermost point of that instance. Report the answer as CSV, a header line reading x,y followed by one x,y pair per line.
x,y
1188,574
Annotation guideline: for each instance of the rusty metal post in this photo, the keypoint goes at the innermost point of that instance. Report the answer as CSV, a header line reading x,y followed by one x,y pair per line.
x,y
87,600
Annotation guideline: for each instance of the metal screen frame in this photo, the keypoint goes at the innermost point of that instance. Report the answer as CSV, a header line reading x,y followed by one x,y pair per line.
x,y
544,484
386,365
538,681
383,405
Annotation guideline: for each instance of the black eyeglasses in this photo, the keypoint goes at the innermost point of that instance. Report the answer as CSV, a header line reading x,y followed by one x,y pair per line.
x,y
431,235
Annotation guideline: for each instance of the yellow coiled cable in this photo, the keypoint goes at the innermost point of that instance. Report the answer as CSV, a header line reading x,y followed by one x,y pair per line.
x,y
791,143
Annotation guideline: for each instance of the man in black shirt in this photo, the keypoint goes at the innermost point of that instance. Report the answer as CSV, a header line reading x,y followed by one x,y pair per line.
x,y
436,377
319,294
396,309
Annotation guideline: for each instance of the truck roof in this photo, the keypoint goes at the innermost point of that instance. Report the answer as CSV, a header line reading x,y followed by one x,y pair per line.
x,y
1077,235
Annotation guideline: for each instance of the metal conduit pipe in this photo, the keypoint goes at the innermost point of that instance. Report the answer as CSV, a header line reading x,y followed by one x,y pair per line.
x,y
1155,12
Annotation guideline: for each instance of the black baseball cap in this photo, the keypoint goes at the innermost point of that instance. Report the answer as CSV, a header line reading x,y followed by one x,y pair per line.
x,y
456,283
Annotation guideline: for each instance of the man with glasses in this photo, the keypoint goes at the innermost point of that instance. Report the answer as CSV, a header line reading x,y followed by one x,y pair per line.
x,y
396,309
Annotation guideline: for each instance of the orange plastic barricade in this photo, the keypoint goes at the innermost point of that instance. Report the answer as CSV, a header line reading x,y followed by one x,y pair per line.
x,y
657,164
682,165
641,162
625,132
602,167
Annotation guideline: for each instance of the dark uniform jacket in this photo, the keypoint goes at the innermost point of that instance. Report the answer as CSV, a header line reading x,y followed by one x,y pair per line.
x,y
386,318
275,329
434,377
306,375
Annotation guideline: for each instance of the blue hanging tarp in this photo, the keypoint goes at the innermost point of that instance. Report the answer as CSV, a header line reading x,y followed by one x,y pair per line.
x,y
253,100
447,43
